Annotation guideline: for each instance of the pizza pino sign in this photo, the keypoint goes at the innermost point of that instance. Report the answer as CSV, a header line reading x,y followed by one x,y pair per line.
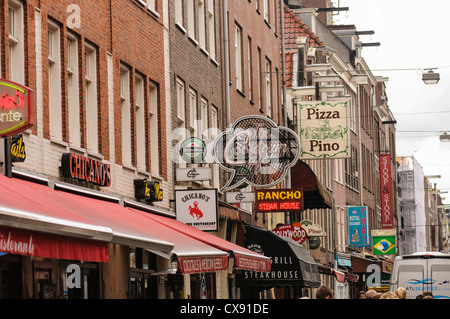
x,y
16,108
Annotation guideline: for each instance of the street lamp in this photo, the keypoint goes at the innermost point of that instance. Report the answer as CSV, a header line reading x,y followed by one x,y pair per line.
x,y
430,77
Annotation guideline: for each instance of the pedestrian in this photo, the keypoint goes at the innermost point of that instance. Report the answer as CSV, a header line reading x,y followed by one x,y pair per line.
x,y
362,295
419,296
428,295
323,292
389,295
401,293
370,294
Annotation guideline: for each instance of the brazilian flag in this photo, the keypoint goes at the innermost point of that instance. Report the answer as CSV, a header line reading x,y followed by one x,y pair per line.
x,y
384,245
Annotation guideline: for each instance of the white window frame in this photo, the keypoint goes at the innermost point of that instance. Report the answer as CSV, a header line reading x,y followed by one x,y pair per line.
x,y
16,42
139,105
268,87
125,114
190,18
211,30
181,100
201,24
238,54
54,78
250,68
266,10
179,12
204,118
91,98
73,90
154,129
193,110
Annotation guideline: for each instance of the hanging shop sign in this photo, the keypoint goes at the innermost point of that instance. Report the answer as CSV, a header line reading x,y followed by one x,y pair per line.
x,y
387,221
193,174
197,208
85,169
16,108
358,226
147,190
240,197
279,200
312,229
193,150
384,242
294,231
255,151
323,129
17,149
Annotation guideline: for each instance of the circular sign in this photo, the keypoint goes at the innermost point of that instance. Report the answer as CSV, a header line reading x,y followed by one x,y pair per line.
x,y
314,242
193,150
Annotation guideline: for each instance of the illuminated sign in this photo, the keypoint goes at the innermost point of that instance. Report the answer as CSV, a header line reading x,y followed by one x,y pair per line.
x,y
85,169
256,152
324,130
17,148
16,108
294,231
279,200
147,190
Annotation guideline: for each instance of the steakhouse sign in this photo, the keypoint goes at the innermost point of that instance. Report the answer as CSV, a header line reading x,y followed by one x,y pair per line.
x,y
279,200
16,108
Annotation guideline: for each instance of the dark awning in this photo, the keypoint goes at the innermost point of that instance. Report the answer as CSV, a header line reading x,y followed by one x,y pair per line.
x,y
292,265
316,194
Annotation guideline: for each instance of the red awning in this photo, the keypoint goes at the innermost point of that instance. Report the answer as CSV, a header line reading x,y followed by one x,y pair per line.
x,y
30,243
36,207
244,259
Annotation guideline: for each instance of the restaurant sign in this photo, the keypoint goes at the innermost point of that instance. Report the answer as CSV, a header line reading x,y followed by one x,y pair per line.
x,y
197,208
387,221
358,226
85,169
323,129
384,241
294,231
279,200
16,108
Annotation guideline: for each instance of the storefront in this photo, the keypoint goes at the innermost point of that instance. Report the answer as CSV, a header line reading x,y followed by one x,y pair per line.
x,y
293,268
115,249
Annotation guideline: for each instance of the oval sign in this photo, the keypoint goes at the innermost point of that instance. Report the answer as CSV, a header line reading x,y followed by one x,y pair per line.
x,y
294,231
193,150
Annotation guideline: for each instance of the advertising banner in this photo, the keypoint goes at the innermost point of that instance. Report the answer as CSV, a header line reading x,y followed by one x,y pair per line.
x,y
386,192
323,129
357,226
197,208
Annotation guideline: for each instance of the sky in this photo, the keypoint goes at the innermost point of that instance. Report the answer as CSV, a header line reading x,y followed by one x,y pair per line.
x,y
413,35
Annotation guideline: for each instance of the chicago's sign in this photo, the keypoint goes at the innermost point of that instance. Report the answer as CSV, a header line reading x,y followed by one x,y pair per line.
x,y
16,108
197,208
323,129
85,169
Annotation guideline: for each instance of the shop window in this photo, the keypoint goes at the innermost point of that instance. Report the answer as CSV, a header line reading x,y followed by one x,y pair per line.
x,y
142,284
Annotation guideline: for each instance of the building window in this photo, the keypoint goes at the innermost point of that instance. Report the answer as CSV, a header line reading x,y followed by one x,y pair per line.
x,y
201,23
250,69
238,54
16,43
180,100
154,129
259,80
90,55
140,123
193,110
268,87
149,4
204,118
211,30
266,10
179,12
126,114
73,91
190,17
54,81
214,132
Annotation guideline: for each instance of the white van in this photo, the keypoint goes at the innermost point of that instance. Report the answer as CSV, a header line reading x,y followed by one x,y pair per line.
x,y
420,272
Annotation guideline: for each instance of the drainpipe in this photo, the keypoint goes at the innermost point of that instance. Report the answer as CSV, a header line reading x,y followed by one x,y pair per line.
x,y
226,64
